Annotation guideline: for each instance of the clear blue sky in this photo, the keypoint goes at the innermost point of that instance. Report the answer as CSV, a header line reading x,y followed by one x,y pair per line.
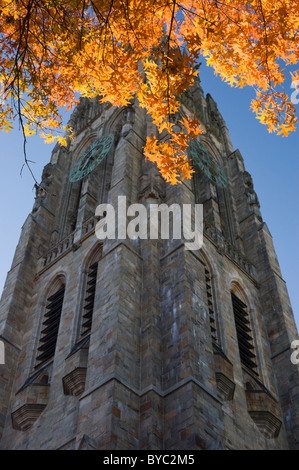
x,y
272,161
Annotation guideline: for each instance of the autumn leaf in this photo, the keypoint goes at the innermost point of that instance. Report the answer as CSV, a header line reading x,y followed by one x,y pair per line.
x,y
53,51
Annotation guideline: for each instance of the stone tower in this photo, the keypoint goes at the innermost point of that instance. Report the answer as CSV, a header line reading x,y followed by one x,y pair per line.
x,y
140,343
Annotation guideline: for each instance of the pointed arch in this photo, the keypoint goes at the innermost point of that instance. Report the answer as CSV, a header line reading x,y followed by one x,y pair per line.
x,y
90,271
51,321
237,289
210,187
94,254
86,194
206,259
206,177
113,123
211,300
211,147
54,284
244,330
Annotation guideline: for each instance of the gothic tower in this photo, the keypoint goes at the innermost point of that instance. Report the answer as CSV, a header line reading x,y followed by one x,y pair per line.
x,y
139,343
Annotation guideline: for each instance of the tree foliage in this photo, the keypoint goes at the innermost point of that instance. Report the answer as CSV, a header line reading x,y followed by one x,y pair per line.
x,y
53,50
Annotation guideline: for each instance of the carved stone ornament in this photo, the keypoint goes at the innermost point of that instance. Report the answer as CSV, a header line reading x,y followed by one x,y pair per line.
x,y
25,416
224,375
74,382
31,402
264,411
91,158
76,367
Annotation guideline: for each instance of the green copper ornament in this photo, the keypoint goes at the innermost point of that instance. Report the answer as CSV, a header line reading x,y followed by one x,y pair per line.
x,y
91,158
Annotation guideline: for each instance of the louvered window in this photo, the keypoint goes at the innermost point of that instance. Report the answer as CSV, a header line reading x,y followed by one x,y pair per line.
x,y
50,327
89,299
244,334
211,306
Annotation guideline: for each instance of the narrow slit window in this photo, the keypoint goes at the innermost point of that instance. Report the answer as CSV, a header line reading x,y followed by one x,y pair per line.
x,y
211,307
244,335
49,333
89,299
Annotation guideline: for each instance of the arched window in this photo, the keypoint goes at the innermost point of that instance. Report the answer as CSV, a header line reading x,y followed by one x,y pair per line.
x,y
210,301
201,185
223,366
205,183
244,334
50,325
77,360
210,188
212,318
90,291
89,298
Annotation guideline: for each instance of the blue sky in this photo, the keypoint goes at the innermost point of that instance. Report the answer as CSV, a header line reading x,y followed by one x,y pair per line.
x,y
272,161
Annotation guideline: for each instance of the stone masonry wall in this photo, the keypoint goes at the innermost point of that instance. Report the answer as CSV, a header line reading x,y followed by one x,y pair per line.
x,y
150,376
